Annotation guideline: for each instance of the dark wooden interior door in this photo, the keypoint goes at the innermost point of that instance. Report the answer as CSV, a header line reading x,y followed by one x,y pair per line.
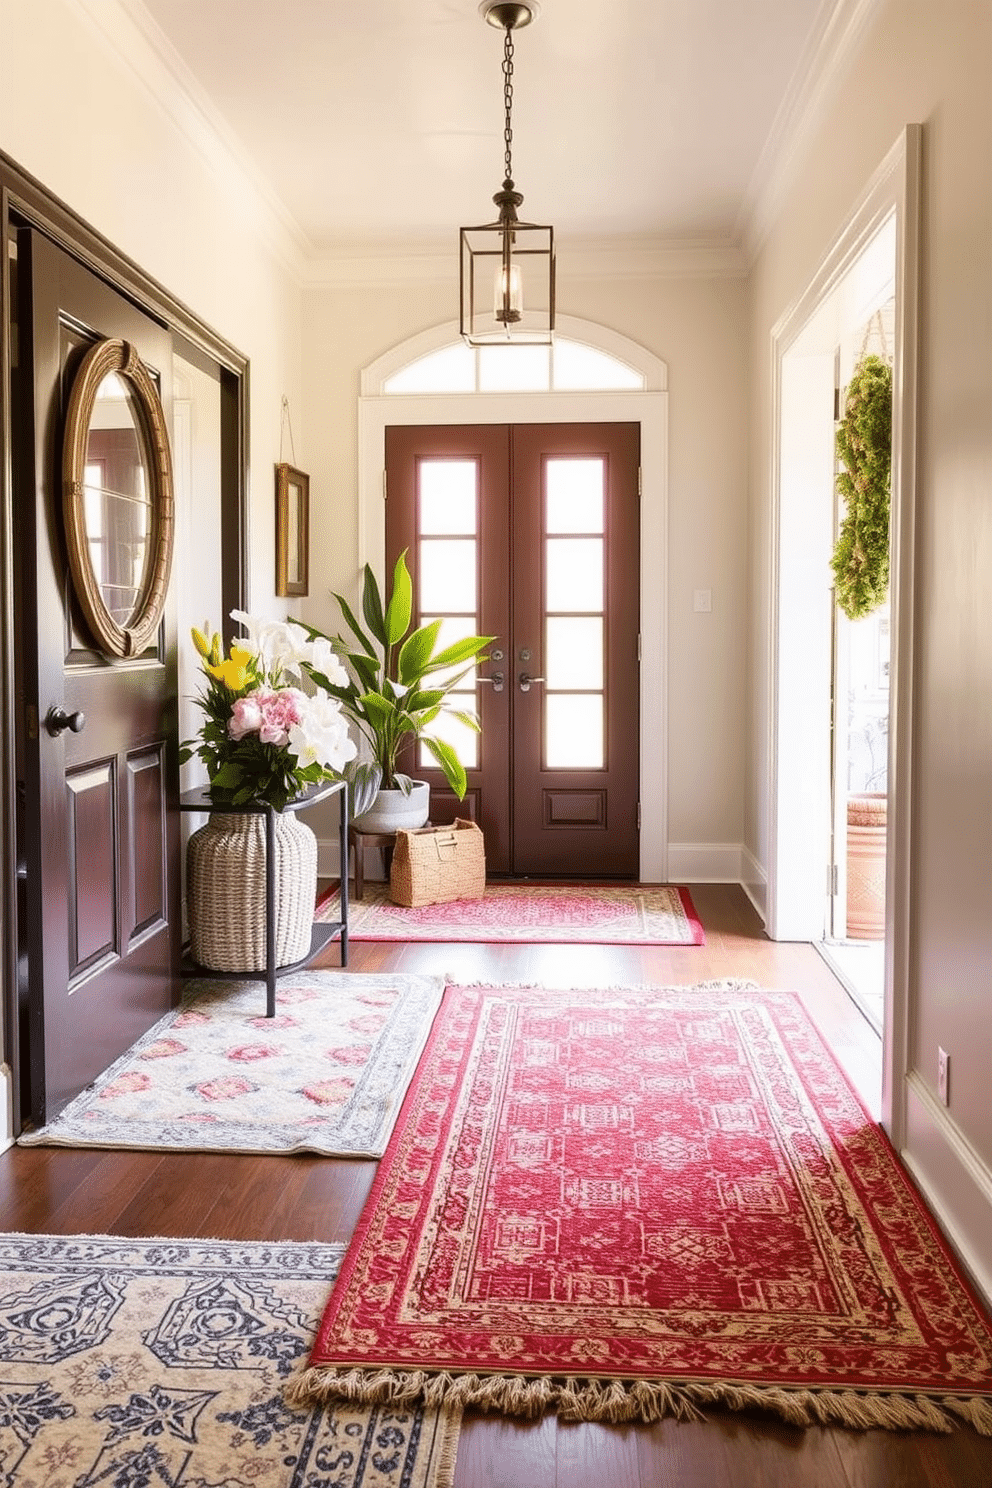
x,y
530,533
100,834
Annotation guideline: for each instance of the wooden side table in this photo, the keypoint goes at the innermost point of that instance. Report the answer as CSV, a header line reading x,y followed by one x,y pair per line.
x,y
359,841
199,800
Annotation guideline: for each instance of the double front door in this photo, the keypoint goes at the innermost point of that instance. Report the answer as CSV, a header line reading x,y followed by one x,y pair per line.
x,y
529,533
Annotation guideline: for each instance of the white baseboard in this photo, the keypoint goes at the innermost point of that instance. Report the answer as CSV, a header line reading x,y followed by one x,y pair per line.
x,y
953,1178
7,1096
754,882
704,862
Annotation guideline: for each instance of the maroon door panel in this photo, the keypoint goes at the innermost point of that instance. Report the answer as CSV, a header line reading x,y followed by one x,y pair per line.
x,y
101,837
531,532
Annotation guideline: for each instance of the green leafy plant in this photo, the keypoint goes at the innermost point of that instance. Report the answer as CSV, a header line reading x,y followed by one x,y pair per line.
x,y
398,685
860,560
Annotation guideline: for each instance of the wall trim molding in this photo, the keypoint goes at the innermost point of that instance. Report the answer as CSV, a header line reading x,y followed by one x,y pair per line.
x,y
831,50
127,29
960,1191
620,259
705,862
754,882
893,192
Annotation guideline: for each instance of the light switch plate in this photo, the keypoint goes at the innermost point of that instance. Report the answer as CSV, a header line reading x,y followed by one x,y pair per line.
x,y
702,601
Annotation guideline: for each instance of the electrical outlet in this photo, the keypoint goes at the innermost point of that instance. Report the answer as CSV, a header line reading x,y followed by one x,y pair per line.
x,y
943,1074
702,601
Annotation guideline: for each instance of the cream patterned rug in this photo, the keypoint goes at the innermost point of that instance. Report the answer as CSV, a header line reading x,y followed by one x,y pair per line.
x,y
326,1074
163,1363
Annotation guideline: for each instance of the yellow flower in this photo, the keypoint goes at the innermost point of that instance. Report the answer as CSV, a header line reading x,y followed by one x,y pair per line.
x,y
201,640
233,673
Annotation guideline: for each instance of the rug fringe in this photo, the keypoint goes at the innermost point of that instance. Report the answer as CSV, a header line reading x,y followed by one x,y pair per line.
x,y
620,1402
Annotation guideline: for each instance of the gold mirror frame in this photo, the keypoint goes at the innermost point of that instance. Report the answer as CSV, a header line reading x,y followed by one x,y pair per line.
x,y
103,359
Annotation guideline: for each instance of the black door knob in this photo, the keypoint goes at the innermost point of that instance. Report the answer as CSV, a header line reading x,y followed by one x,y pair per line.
x,y
57,720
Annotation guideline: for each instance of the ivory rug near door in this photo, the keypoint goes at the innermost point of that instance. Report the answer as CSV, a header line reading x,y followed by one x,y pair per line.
x,y
630,1203
164,1362
326,1074
619,914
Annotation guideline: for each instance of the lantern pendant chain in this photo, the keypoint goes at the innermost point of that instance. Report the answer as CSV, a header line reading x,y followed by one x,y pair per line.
x,y
508,107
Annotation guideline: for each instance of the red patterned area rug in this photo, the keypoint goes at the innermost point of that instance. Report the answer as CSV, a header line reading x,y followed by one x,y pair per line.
x,y
617,914
624,1204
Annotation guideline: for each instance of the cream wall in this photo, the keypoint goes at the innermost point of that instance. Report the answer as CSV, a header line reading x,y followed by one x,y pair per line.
x,y
924,63
697,327
147,173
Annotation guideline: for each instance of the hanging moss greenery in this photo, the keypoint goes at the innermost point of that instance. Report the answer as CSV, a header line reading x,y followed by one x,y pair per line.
x,y
864,445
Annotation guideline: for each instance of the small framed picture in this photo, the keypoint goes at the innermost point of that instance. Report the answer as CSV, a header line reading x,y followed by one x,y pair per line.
x,y
292,530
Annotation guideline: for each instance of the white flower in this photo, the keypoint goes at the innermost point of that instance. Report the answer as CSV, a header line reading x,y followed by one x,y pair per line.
x,y
321,736
323,659
281,645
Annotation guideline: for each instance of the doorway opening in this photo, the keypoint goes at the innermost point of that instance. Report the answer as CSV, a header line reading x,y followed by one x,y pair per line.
x,y
824,747
601,377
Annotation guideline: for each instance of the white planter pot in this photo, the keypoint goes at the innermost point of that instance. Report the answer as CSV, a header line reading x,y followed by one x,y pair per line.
x,y
392,811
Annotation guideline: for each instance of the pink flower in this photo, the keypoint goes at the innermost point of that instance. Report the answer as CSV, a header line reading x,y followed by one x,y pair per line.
x,y
246,717
268,712
252,1051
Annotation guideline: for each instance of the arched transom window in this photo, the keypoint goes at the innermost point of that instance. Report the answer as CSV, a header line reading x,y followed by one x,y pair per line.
x,y
566,367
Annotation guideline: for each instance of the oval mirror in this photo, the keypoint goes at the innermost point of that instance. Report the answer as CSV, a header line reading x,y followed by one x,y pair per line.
x,y
118,499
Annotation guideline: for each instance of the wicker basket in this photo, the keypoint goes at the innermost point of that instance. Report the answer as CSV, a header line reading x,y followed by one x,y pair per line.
x,y
225,891
438,864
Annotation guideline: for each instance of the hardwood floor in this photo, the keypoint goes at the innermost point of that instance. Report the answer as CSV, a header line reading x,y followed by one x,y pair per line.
x,y
67,1191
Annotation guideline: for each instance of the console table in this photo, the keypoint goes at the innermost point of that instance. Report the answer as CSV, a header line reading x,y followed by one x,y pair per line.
x,y
324,932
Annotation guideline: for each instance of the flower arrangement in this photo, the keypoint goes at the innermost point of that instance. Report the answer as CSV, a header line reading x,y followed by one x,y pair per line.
x,y
263,738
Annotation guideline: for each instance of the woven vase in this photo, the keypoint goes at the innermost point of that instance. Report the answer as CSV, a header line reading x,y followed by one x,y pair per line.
x,y
225,891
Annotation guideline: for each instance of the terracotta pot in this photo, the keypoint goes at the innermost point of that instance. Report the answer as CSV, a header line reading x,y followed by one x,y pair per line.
x,y
866,830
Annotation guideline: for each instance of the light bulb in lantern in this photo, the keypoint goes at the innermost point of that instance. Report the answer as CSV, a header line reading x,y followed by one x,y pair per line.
x,y
508,294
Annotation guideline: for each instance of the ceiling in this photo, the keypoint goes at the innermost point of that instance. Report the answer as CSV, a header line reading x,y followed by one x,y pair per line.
x,y
377,125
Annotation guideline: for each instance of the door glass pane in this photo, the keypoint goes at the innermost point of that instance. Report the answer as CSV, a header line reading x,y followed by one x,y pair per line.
x,y
447,575
463,740
574,574
573,736
573,655
574,491
447,496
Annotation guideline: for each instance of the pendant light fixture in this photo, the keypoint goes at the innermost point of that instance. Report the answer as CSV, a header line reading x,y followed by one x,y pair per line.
x,y
508,266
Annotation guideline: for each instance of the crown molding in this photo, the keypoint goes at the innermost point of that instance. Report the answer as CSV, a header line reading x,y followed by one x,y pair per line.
x,y
830,52
618,259
127,30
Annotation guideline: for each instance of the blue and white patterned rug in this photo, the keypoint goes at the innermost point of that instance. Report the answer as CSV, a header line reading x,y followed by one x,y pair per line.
x,y
162,1364
326,1074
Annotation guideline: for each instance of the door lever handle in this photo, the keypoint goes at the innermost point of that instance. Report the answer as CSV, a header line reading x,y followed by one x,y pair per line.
x,y
57,720
497,679
526,679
